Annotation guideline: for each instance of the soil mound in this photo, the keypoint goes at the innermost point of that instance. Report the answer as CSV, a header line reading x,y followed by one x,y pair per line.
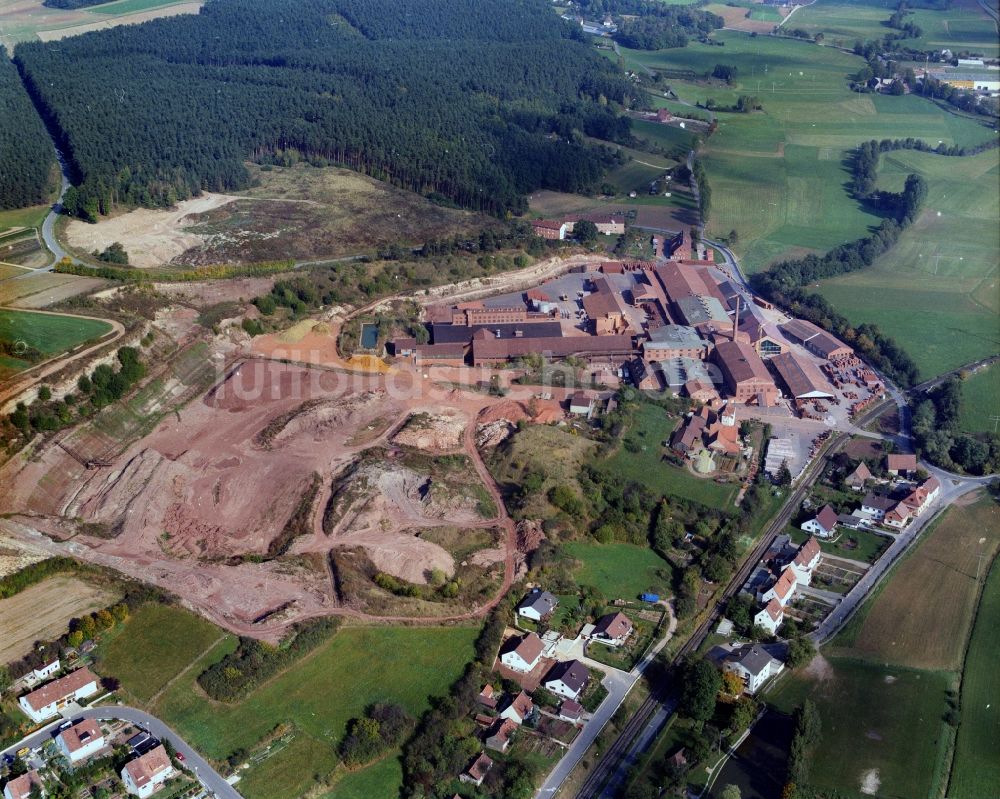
x,y
439,433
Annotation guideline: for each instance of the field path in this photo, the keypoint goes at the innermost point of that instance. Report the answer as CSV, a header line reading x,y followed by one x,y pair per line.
x,y
194,662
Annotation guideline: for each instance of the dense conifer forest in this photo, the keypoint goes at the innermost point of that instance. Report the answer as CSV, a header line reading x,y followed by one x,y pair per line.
x,y
25,150
463,99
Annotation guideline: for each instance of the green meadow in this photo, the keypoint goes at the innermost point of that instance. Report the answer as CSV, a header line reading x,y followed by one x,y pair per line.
x,y
981,401
47,333
619,571
936,291
791,158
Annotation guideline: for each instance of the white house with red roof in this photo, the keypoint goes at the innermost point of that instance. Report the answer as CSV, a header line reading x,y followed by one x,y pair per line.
x,y
897,516
522,654
922,496
824,523
805,561
20,787
782,589
144,775
519,709
45,702
770,616
613,629
81,740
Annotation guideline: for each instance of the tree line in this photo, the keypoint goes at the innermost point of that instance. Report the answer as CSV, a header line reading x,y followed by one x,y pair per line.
x,y
434,99
942,442
25,150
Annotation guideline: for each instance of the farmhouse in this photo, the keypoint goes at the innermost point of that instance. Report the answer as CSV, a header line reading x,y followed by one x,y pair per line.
x,y
800,377
47,701
21,787
144,775
476,772
770,616
754,664
522,654
567,679
901,465
81,740
537,605
612,629
519,709
746,378
824,523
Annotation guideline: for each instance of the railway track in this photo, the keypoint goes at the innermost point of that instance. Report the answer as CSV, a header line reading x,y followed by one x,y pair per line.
x,y
614,758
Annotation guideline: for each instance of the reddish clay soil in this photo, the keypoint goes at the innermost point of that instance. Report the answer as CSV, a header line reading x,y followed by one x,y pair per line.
x,y
222,478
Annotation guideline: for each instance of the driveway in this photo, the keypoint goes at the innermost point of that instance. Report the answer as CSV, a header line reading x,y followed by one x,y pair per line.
x,y
208,776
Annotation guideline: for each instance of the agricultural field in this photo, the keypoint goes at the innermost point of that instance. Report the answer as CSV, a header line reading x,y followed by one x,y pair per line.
x,y
42,611
791,156
339,670
47,333
882,685
644,464
976,769
154,645
620,571
47,288
935,292
980,401
963,27
29,20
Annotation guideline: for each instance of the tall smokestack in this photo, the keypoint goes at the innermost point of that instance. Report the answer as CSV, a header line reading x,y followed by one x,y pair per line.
x,y
736,318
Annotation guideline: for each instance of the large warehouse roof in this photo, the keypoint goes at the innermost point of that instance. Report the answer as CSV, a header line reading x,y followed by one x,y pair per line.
x,y
801,377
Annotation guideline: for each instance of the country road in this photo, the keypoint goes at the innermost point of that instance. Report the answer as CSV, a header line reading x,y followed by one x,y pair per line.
x,y
202,770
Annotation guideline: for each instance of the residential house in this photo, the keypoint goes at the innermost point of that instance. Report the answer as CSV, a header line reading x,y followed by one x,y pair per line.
x,y
580,404
754,664
824,523
487,697
551,229
476,772
46,671
571,711
81,740
922,496
519,710
877,505
770,616
146,774
47,701
897,517
782,589
862,474
522,654
612,629
806,559
567,679
901,465
537,605
499,738
20,787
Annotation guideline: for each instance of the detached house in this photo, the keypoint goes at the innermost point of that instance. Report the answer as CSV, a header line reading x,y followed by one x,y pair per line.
x,y
612,629
537,605
522,654
567,679
519,709
21,787
476,772
45,671
823,524
144,775
805,560
47,701
754,664
81,740
770,616
876,506
922,496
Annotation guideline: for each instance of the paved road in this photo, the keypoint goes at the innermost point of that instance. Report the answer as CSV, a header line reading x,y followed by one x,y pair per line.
x,y
208,776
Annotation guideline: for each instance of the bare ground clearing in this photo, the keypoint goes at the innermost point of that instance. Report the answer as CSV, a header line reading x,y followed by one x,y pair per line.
x,y
42,611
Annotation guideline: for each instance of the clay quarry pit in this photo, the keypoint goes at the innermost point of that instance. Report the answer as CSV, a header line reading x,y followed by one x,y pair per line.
x,y
278,494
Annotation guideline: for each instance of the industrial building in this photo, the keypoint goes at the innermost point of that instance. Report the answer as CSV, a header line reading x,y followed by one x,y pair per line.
x,y
801,378
744,374
816,340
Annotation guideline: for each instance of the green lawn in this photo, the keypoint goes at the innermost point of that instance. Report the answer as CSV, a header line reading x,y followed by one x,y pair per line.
x,y
49,334
318,695
867,546
936,292
790,157
874,717
131,6
23,217
620,571
976,768
650,430
154,646
981,401
382,779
